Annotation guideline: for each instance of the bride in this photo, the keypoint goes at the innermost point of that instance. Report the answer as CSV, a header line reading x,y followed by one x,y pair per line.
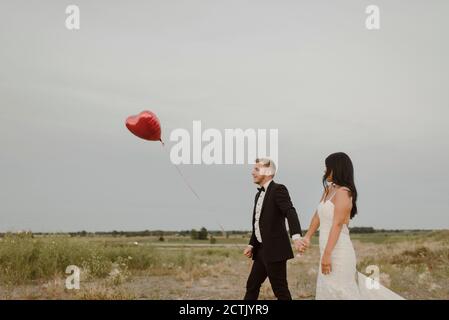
x,y
337,276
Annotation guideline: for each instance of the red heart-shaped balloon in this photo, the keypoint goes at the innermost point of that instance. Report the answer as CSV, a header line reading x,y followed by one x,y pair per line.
x,y
145,125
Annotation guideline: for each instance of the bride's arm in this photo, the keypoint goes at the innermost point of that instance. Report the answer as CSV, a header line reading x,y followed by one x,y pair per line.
x,y
314,225
342,207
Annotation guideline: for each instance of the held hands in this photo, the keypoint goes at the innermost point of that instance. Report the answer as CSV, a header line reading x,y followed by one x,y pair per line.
x,y
248,252
302,244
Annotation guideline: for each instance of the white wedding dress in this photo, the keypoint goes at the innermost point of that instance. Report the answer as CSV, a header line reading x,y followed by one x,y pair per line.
x,y
344,282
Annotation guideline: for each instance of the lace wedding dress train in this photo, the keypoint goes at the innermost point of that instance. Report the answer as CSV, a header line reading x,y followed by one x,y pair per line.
x,y
344,282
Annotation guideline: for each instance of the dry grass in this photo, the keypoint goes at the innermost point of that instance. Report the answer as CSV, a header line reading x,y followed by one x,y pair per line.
x,y
415,265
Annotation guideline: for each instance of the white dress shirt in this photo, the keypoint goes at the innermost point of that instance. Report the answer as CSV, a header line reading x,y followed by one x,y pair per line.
x,y
259,205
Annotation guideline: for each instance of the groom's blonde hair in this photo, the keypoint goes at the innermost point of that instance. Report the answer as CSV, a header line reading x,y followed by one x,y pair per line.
x,y
269,165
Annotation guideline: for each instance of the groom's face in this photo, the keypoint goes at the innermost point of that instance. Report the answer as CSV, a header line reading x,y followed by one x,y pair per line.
x,y
259,173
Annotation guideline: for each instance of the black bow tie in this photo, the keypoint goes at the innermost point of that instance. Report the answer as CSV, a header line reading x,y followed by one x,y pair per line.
x,y
261,189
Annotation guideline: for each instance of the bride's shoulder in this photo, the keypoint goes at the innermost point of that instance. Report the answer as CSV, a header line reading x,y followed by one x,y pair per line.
x,y
344,191
343,194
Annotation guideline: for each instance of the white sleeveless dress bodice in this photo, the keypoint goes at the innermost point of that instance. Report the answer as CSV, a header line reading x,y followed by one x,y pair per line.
x,y
343,282
340,283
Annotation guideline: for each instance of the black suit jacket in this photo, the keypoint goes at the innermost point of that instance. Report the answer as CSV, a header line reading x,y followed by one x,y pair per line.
x,y
275,239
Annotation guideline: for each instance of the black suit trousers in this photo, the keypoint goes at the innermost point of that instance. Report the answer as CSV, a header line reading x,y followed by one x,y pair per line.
x,y
276,273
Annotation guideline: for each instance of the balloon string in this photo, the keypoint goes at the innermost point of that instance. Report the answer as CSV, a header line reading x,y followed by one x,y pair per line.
x,y
187,182
194,192
183,177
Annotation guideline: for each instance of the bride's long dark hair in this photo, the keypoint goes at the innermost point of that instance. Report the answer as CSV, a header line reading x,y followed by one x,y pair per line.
x,y
340,165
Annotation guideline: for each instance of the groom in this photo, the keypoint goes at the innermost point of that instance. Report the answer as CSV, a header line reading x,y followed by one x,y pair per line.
x,y
270,246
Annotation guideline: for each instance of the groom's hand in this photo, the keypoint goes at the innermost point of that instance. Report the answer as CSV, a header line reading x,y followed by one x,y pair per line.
x,y
302,244
248,252
298,245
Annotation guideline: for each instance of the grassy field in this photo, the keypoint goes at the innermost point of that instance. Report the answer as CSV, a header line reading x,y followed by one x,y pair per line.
x,y
413,264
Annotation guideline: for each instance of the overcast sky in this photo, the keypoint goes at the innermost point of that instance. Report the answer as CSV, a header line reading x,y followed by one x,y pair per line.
x,y
308,68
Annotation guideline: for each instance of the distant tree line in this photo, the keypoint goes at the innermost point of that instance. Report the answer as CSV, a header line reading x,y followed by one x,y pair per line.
x,y
372,230
201,234
362,230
